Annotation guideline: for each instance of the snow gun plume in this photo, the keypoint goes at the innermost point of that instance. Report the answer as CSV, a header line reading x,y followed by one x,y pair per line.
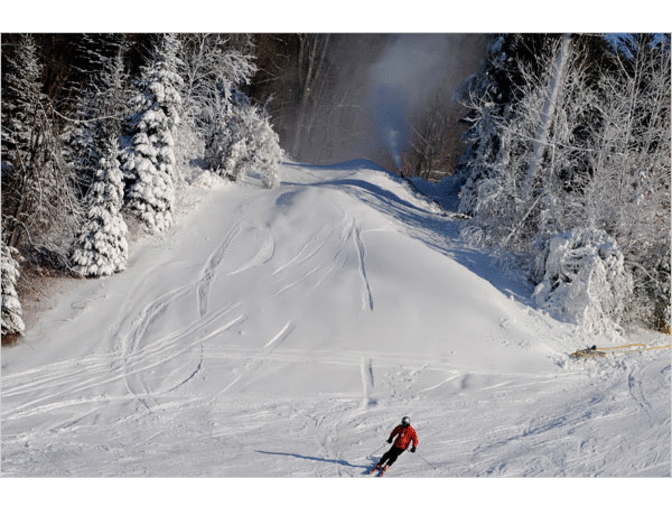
x,y
400,82
395,145
389,112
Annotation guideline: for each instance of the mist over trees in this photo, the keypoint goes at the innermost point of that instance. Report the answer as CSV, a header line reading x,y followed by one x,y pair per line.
x,y
334,97
561,144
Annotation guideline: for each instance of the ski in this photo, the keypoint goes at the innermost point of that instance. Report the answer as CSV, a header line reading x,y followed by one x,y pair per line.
x,y
373,469
381,470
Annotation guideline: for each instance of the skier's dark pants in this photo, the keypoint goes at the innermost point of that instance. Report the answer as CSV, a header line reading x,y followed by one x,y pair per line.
x,y
391,455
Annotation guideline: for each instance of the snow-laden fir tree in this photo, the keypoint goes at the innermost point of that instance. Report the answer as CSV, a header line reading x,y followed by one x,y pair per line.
x,y
148,158
245,145
21,97
101,102
488,94
101,248
12,322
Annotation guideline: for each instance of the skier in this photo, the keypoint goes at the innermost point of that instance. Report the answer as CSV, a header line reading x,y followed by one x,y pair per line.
x,y
405,435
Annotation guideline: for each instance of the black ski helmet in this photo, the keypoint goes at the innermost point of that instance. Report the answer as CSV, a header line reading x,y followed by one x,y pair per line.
x,y
405,420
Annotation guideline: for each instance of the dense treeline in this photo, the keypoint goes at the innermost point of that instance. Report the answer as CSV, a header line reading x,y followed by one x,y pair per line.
x,y
565,157
568,160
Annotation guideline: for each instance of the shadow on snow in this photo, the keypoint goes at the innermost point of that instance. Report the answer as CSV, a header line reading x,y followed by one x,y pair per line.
x,y
442,233
317,459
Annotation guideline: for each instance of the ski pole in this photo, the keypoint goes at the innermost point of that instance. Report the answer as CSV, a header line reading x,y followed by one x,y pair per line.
x,y
427,462
374,451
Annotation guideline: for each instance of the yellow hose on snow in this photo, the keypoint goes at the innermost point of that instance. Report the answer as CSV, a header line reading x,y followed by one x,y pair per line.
x,y
600,351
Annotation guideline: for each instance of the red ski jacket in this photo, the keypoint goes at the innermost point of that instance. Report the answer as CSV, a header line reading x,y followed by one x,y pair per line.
x,y
405,436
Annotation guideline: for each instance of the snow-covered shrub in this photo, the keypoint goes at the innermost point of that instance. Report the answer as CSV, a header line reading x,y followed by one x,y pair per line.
x,y
211,70
245,145
584,279
12,322
101,248
149,163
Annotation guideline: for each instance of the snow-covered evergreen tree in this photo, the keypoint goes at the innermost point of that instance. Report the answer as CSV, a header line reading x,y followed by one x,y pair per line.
x,y
101,248
488,94
21,98
148,159
102,103
12,321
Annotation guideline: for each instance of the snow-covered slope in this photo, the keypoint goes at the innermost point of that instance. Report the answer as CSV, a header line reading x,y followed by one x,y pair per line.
x,y
284,332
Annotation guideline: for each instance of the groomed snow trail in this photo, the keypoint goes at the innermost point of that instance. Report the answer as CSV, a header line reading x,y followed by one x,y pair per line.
x,y
284,332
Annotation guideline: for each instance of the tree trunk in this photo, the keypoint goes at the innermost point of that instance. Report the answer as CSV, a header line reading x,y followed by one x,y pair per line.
x,y
312,53
547,113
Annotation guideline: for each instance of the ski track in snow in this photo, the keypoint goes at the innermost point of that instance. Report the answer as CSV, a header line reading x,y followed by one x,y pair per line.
x,y
368,383
211,265
367,297
267,358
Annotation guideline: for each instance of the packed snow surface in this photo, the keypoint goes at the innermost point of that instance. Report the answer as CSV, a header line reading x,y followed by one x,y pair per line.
x,y
285,332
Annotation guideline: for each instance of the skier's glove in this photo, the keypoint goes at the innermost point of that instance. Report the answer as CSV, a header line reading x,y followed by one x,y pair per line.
x,y
413,450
